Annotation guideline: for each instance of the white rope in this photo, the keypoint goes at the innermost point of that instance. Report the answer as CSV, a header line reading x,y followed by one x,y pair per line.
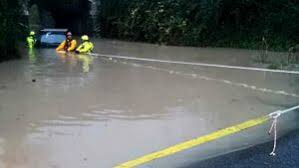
x,y
280,92
274,128
194,63
275,115
280,112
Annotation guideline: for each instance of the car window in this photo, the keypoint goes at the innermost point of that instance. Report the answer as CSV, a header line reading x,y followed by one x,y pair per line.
x,y
52,38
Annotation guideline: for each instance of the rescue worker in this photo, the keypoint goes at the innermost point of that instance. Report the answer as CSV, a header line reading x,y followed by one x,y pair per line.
x,y
67,45
31,40
86,47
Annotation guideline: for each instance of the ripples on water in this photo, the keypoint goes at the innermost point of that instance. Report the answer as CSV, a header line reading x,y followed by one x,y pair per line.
x,y
84,105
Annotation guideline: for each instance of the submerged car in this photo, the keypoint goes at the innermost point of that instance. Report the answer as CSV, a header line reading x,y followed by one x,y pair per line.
x,y
51,37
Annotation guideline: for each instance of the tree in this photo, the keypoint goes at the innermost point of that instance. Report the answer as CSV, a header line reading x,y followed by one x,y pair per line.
x,y
10,28
34,18
224,23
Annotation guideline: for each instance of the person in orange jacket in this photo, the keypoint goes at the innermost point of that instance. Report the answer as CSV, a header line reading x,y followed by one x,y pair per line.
x,y
67,45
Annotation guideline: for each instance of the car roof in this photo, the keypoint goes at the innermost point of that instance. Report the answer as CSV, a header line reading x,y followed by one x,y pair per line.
x,y
54,30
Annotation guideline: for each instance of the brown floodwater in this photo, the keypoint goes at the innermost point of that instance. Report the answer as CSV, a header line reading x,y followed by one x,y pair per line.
x,y
79,111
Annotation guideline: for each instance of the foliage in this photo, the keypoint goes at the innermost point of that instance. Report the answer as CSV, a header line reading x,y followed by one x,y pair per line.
x,y
34,18
10,26
110,16
274,66
223,23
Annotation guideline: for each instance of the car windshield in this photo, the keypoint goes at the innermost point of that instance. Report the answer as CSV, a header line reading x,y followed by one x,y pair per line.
x,y
52,38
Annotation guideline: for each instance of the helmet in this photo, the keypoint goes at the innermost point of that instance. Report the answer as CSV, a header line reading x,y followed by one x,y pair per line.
x,y
32,33
84,38
68,34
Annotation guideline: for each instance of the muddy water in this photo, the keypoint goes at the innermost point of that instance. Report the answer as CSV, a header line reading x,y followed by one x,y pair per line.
x,y
60,110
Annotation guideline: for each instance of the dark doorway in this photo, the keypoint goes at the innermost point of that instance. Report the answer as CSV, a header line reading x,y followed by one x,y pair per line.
x,y
71,14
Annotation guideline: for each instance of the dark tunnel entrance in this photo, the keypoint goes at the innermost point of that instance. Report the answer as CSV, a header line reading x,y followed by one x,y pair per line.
x,y
74,15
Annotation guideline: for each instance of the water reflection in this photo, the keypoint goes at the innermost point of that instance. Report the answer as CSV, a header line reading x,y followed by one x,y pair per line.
x,y
2,152
85,61
32,55
98,109
69,58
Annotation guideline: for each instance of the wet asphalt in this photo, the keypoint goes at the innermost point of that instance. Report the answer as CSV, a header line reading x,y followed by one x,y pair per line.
x,y
287,156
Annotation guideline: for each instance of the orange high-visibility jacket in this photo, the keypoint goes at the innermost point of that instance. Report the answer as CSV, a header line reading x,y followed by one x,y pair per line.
x,y
71,47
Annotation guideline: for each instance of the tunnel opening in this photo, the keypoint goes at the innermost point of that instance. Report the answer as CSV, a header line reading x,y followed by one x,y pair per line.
x,y
74,15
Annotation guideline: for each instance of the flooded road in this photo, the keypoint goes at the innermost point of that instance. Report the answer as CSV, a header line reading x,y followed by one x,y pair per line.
x,y
80,111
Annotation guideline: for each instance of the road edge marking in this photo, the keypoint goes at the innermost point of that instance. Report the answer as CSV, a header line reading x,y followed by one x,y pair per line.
x,y
194,142
197,64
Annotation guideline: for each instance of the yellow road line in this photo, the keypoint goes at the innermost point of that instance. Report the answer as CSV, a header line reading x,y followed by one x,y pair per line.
x,y
194,142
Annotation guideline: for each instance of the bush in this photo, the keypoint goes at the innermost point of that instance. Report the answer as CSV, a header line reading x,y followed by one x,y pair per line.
x,y
10,27
223,23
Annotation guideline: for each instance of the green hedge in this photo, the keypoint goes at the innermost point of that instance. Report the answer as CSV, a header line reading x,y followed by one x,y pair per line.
x,y
10,28
222,23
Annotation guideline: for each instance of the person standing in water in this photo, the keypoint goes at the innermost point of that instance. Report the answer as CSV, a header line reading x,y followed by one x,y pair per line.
x,y
31,40
67,45
86,47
